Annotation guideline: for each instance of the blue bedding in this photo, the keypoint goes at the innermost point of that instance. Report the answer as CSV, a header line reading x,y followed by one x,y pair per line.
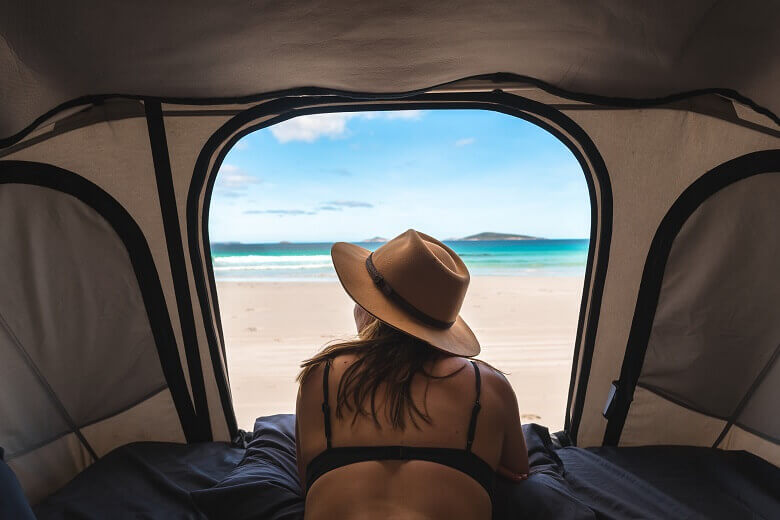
x,y
143,480
13,504
216,480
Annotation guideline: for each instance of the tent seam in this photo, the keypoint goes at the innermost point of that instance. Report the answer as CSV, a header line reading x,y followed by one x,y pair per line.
x,y
498,78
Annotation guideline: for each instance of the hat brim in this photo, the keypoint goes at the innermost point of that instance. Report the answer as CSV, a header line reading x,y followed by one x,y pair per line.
x,y
350,263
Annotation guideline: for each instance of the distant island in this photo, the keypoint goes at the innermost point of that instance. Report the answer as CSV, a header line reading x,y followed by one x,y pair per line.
x,y
497,236
479,237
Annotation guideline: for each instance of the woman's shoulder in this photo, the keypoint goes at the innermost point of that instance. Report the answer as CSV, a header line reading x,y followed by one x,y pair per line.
x,y
490,376
315,372
495,382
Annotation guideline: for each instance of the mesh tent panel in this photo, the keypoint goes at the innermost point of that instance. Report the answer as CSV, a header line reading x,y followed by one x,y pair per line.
x,y
761,411
75,335
72,298
30,419
716,328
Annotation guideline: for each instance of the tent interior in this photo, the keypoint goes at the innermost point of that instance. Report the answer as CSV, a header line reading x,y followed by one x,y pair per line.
x,y
112,356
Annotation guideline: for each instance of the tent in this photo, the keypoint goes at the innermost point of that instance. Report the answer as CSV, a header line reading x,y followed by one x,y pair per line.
x,y
116,117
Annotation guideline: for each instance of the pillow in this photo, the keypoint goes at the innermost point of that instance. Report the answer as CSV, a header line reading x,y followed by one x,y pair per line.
x,y
265,483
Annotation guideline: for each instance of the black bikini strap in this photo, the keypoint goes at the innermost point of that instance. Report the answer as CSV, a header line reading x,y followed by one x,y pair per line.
x,y
475,410
325,405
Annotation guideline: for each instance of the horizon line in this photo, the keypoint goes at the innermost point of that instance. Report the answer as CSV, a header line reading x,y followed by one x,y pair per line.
x,y
535,239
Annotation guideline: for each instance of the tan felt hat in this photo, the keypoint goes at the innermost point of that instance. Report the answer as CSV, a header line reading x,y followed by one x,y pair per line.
x,y
415,284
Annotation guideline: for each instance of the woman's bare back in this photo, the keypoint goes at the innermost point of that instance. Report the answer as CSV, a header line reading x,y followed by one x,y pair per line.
x,y
411,488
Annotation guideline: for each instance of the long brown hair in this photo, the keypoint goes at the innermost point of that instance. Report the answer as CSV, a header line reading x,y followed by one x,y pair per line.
x,y
386,358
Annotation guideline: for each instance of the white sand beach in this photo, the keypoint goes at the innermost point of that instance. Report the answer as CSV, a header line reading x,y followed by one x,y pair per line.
x,y
526,326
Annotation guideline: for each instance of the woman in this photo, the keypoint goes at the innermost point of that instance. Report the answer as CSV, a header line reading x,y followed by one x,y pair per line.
x,y
399,423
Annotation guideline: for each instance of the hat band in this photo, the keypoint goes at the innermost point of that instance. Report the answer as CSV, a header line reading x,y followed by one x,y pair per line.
x,y
388,291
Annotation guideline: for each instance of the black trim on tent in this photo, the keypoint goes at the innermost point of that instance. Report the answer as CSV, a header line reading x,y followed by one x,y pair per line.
x,y
701,105
59,179
173,240
748,165
589,158
498,78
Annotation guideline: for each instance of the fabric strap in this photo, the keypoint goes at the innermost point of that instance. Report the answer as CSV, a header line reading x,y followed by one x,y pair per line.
x,y
475,409
463,460
472,422
388,291
325,405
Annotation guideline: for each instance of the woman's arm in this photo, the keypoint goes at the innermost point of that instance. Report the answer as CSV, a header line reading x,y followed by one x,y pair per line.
x,y
298,454
514,455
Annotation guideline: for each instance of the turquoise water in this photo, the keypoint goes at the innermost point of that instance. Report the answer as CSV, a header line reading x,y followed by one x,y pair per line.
x,y
311,262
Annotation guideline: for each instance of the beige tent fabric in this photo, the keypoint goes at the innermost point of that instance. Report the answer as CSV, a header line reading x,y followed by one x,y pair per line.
x,y
134,425
72,305
186,136
655,420
76,345
739,439
716,328
652,155
50,467
236,48
33,420
47,468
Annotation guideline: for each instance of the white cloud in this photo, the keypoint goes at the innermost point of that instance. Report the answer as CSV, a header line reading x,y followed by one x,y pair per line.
x,y
464,142
413,115
232,177
309,128
349,204
279,212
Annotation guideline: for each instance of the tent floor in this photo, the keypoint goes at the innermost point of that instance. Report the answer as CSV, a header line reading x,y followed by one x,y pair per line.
x,y
154,480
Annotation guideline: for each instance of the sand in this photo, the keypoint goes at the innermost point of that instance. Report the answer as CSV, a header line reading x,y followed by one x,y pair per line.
x,y
526,326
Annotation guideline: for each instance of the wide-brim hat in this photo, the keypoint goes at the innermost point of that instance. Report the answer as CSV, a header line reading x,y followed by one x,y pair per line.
x,y
415,284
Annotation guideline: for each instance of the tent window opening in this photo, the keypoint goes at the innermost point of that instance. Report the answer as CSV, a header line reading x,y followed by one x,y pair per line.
x,y
504,194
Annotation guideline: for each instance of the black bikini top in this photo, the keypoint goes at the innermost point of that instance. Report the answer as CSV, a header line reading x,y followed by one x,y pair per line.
x,y
463,460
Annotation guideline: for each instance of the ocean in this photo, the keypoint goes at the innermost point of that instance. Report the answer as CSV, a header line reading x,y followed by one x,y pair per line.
x,y
296,262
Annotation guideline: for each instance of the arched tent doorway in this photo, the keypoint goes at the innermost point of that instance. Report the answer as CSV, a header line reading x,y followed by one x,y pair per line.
x,y
546,117
285,192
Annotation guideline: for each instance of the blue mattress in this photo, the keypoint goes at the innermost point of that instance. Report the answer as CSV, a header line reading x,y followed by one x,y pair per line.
x,y
216,480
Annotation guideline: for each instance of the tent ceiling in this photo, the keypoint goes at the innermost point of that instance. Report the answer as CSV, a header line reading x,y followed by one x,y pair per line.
x,y
53,52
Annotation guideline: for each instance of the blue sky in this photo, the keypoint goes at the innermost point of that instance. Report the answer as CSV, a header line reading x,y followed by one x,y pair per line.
x,y
448,173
